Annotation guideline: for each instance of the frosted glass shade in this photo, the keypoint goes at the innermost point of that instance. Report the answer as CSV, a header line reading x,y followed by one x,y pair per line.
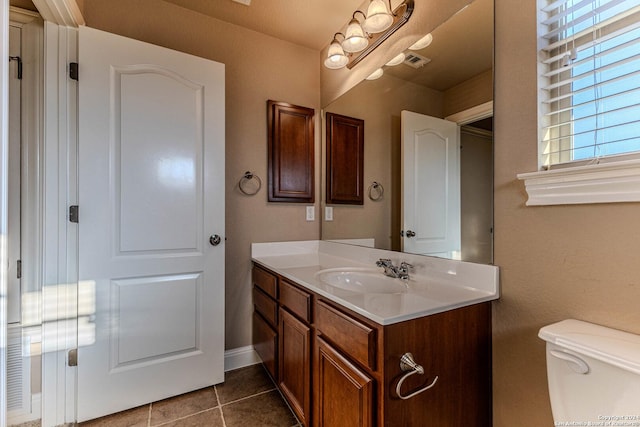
x,y
422,43
335,56
397,60
376,74
355,39
379,18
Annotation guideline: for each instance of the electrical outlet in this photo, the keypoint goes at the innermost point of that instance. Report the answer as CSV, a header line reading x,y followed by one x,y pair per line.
x,y
328,213
311,213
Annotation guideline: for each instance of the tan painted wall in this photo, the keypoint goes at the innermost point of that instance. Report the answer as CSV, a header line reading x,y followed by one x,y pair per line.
x,y
379,103
556,262
258,68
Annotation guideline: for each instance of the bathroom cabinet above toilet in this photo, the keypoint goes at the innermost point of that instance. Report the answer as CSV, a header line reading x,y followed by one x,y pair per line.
x,y
336,367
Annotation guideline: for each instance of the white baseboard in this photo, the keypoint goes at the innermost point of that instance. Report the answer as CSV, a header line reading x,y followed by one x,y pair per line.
x,y
240,357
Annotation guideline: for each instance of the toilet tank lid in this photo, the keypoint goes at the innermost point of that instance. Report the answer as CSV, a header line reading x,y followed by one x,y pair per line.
x,y
618,348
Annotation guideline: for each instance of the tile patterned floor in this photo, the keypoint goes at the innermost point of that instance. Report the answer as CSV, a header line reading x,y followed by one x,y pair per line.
x,y
248,397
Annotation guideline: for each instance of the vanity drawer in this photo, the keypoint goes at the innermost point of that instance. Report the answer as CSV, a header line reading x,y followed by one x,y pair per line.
x,y
266,281
266,306
350,335
296,300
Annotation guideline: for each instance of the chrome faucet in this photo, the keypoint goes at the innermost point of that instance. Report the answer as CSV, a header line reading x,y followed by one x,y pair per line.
x,y
398,272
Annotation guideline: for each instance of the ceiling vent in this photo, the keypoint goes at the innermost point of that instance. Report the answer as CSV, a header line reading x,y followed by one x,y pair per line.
x,y
415,60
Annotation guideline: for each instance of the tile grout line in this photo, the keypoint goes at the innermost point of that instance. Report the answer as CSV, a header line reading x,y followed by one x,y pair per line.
x,y
246,397
215,389
149,417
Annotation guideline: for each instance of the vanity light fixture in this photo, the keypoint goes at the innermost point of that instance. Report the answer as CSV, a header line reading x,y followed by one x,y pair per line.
x,y
397,60
335,56
355,39
422,43
379,18
376,74
362,37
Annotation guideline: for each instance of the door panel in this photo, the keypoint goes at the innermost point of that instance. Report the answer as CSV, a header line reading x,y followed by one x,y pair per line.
x,y
151,192
431,185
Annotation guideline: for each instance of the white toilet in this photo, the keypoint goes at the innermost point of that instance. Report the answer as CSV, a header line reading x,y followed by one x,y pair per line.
x,y
593,374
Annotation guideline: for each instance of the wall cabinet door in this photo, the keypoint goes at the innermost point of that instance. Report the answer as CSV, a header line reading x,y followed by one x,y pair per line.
x,y
345,160
291,153
295,364
343,392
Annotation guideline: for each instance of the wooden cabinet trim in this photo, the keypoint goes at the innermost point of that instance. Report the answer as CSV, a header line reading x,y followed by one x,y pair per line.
x,y
291,151
355,338
296,300
345,160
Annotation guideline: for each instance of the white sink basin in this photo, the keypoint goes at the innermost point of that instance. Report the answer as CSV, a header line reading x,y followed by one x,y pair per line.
x,y
361,280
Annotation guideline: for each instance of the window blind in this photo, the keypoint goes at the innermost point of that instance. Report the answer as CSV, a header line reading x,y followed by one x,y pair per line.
x,y
589,79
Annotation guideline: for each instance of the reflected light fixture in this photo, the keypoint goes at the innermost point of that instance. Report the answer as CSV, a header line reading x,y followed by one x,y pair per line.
x,y
397,60
379,17
335,56
376,74
422,43
355,39
363,36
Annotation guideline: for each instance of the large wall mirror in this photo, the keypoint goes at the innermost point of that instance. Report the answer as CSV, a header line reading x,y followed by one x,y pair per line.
x,y
428,145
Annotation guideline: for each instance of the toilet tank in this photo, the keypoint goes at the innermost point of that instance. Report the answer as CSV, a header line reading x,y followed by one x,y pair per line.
x,y
593,374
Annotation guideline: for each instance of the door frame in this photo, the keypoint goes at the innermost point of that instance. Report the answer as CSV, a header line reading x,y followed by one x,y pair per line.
x,y
59,107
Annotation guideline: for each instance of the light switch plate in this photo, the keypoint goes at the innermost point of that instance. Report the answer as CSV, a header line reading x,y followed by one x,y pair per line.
x,y
311,213
328,213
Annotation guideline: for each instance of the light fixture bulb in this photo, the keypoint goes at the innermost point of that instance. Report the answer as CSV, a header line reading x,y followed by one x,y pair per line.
x,y
355,39
422,43
397,60
335,56
379,18
376,74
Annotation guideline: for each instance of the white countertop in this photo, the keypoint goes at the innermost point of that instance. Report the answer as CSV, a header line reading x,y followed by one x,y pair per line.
x,y
435,285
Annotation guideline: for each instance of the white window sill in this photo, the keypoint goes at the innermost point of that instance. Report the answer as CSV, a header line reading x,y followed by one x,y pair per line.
x,y
602,183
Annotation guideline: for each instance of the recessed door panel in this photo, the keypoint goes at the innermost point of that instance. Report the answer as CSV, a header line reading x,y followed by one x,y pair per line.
x,y
159,165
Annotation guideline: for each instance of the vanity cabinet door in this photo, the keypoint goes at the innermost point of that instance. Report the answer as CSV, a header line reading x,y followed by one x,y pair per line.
x,y
265,343
295,364
343,393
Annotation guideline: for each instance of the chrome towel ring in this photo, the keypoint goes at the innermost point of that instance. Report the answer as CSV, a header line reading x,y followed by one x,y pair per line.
x,y
245,184
376,191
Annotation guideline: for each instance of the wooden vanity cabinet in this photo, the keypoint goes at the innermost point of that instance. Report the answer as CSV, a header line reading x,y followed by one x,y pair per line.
x,y
355,367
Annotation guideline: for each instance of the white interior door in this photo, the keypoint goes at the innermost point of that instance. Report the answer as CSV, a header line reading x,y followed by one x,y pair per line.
x,y
430,185
151,193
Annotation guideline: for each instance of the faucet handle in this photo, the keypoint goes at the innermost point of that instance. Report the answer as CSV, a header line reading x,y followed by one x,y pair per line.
x,y
384,262
406,265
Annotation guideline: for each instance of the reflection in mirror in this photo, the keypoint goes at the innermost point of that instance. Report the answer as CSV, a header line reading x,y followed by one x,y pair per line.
x,y
451,78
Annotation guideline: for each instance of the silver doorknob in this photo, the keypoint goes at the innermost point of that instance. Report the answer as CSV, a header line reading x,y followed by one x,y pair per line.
x,y
215,240
410,233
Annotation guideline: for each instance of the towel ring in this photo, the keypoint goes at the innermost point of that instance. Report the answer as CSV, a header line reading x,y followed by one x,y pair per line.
x,y
246,178
376,191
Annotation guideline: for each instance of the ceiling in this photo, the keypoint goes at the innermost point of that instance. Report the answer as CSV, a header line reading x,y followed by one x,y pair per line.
x,y
461,48
310,23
